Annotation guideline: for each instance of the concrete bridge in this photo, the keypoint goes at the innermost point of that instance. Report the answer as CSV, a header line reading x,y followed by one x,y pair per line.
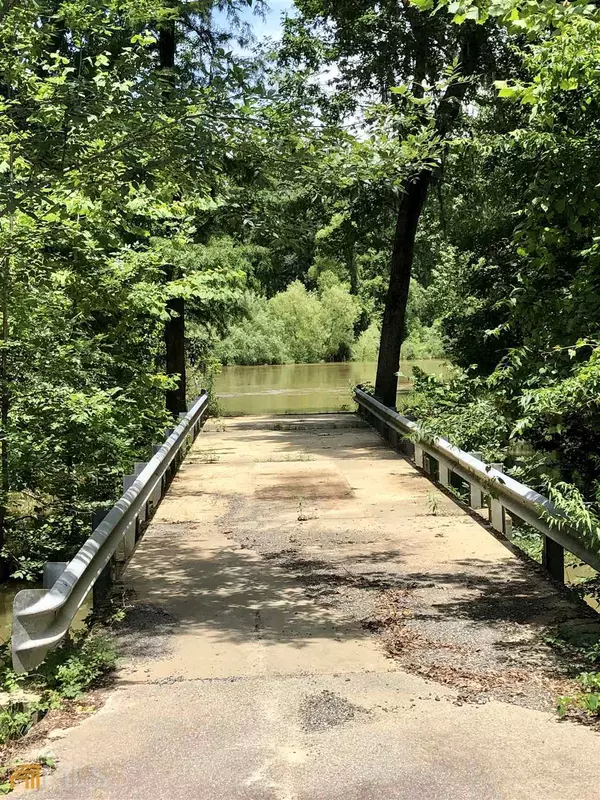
x,y
311,618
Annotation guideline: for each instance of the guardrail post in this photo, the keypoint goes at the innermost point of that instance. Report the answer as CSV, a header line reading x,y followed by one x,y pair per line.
x,y
496,509
172,468
130,537
475,496
127,544
475,493
496,515
104,581
419,456
553,558
444,474
143,515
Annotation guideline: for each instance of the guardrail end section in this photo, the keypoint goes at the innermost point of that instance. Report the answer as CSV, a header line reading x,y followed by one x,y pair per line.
x,y
26,658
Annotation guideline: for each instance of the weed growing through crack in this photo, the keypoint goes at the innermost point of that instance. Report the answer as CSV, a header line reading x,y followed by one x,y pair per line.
x,y
433,503
208,456
302,516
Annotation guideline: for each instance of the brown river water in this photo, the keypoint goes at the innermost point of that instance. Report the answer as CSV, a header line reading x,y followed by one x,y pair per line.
x,y
304,388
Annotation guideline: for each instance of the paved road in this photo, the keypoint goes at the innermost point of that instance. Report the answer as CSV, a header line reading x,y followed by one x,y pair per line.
x,y
312,620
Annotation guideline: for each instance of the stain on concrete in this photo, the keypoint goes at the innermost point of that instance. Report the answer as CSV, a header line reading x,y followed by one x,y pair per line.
x,y
325,709
145,632
291,480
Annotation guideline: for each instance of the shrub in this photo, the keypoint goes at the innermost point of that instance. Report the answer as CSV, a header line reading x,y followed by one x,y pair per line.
x,y
366,347
257,339
299,313
339,312
77,665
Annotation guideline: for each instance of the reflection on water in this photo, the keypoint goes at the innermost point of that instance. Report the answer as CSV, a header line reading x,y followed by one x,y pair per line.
x,y
301,388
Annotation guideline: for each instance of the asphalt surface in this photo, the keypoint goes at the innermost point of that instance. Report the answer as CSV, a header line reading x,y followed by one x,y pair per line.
x,y
305,623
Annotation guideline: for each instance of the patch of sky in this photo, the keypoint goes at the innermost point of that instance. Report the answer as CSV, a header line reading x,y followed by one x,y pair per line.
x,y
265,23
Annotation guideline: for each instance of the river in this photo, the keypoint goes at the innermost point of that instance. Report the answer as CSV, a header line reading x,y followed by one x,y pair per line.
x,y
304,388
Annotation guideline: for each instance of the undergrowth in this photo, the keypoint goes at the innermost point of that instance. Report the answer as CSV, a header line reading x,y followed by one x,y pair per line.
x,y
79,664
584,702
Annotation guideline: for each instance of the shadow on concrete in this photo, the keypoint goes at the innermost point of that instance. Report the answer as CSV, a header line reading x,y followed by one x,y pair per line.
x,y
471,614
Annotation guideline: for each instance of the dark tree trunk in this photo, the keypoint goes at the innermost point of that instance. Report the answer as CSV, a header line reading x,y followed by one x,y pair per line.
x,y
4,412
4,377
175,349
166,45
411,206
175,328
394,318
352,268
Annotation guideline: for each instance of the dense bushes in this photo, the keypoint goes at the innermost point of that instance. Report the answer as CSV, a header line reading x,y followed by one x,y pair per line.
x,y
295,326
303,326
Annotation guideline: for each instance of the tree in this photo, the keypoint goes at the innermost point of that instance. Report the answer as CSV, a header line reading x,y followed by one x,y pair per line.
x,y
420,66
539,380
98,164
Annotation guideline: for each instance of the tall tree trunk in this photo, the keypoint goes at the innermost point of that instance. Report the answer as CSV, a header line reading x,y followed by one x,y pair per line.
x,y
4,387
411,206
166,44
175,349
394,317
174,333
4,409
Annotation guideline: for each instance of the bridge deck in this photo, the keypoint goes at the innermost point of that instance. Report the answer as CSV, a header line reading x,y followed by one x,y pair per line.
x,y
312,619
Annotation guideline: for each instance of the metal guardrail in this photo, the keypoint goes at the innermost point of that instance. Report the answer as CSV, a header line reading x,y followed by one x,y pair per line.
x,y
41,618
508,499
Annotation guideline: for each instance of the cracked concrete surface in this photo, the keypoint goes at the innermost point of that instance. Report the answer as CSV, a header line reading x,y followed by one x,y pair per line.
x,y
255,667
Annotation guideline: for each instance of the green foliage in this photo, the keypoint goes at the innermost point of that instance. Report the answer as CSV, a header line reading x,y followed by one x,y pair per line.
x,y
294,326
529,540
67,672
303,326
586,700
299,312
110,172
339,313
433,503
423,342
513,260
77,665
257,339
366,346
462,411
13,724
